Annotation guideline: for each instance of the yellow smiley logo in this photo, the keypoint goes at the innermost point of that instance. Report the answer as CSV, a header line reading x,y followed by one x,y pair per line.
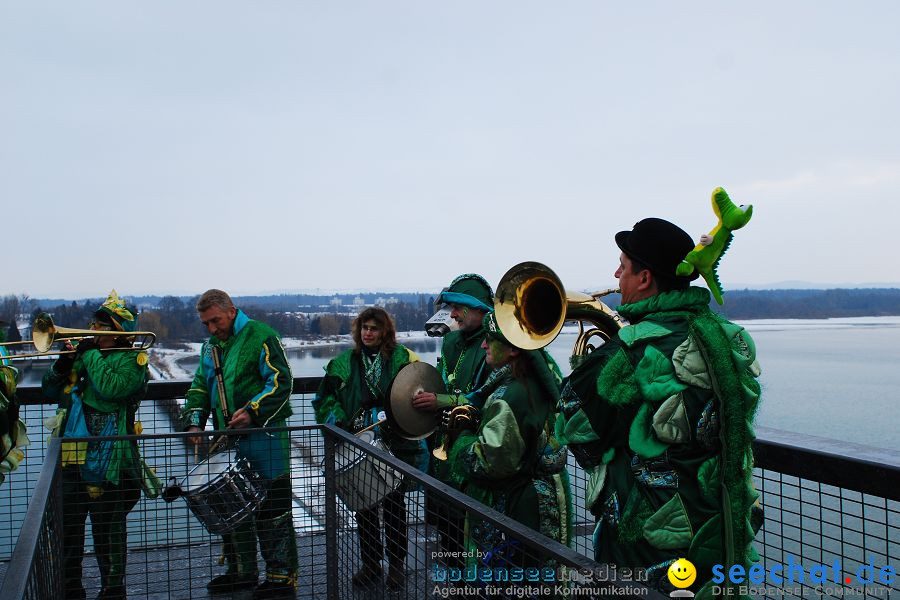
x,y
682,573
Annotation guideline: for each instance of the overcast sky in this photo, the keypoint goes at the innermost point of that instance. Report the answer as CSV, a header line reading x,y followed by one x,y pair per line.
x,y
170,147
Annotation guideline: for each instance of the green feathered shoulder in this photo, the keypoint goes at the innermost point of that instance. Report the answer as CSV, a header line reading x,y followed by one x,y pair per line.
x,y
339,366
401,357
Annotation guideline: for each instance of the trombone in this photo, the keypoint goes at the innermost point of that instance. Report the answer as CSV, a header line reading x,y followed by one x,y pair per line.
x,y
44,333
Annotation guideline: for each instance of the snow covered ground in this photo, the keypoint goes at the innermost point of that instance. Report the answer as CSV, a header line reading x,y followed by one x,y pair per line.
x,y
164,361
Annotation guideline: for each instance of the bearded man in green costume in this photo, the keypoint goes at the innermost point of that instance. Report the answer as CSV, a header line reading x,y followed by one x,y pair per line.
x,y
257,389
98,394
352,393
661,420
513,462
464,371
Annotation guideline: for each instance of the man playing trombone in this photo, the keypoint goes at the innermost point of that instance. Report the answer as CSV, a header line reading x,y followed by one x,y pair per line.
x,y
99,385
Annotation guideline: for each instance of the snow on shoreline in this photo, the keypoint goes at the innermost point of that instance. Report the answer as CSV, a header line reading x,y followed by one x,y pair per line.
x,y
164,362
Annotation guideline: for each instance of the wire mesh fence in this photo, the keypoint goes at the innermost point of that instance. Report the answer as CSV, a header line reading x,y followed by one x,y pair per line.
x,y
371,501
158,413
356,527
832,526
418,538
809,523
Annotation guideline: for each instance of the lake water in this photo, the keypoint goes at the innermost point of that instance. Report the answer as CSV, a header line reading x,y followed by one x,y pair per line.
x,y
835,378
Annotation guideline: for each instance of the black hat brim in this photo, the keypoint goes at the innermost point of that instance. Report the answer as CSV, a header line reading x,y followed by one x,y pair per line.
x,y
622,243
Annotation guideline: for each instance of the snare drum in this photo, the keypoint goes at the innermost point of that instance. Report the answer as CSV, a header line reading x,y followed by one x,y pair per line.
x,y
363,481
223,491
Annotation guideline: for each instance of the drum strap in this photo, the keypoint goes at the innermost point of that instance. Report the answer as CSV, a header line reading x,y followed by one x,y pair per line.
x,y
220,382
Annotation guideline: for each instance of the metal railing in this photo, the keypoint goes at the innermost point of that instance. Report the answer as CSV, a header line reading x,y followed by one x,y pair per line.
x,y
35,562
171,555
824,500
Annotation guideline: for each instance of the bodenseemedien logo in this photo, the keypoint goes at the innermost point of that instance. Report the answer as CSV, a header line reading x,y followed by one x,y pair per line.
x,y
682,574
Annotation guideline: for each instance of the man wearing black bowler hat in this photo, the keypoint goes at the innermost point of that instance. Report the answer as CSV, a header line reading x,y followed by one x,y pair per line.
x,y
661,420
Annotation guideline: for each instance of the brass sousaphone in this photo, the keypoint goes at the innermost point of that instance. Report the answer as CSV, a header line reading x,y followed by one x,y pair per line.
x,y
531,306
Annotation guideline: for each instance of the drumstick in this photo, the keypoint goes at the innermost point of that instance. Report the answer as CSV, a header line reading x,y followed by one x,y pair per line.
x,y
215,445
196,449
372,426
220,383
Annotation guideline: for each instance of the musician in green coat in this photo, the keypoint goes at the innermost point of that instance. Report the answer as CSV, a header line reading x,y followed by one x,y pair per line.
x,y
12,430
99,388
661,420
352,393
257,389
512,461
464,370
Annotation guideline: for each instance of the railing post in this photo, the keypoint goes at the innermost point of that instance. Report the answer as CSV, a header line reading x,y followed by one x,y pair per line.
x,y
331,521
40,536
56,536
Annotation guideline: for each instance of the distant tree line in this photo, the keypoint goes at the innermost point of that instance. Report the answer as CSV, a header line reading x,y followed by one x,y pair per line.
x,y
288,302
173,319
810,304
11,307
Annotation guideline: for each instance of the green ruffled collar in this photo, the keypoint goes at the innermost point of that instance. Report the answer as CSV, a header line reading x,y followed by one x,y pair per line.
x,y
692,299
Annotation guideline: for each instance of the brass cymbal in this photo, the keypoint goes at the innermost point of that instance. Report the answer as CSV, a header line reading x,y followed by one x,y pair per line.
x,y
409,422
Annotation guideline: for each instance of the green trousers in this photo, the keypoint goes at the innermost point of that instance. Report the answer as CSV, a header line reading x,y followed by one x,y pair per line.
x,y
109,528
273,525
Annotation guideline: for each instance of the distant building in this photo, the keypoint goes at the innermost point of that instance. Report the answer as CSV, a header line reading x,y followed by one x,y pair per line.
x,y
382,301
336,302
359,301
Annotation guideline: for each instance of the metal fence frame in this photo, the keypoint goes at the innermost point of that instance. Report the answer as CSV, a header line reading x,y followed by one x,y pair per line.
x,y
549,548
859,479
35,568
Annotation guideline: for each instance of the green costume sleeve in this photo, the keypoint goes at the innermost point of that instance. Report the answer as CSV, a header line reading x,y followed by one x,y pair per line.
x,y
589,419
496,451
448,400
270,403
500,448
53,384
116,378
327,406
196,400
9,377
6,423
